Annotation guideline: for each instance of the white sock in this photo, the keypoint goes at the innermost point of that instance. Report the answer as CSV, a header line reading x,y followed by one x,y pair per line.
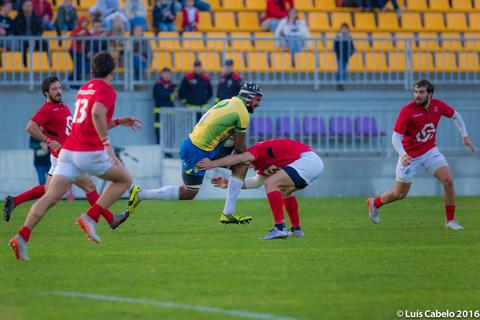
x,y
164,193
234,187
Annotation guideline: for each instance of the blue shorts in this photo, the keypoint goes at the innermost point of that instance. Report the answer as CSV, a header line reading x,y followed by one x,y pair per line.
x,y
190,154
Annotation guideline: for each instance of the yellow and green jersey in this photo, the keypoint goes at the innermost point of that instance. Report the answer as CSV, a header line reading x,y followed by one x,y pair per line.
x,y
220,121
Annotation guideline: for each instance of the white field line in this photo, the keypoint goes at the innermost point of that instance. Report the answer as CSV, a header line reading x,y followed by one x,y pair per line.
x,y
170,305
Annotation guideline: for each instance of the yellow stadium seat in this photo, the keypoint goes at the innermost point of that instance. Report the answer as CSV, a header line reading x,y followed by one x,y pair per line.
x,y
12,62
305,62
327,62
434,21
330,39
225,21
451,41
403,39
445,62
469,62
388,21
56,45
248,21
87,4
162,60
477,4
376,62
238,61
61,62
340,17
281,61
184,61
382,41
361,41
318,21
411,21
364,21
440,5
193,41
475,20
215,5
417,5
423,62
457,22
397,61
178,22
216,41
205,21
210,61
428,41
232,5
304,5
256,5
472,41
462,5
326,5
169,41
39,62
241,41
355,64
258,62
265,43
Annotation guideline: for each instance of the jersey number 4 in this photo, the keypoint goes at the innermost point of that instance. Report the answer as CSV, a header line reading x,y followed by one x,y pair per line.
x,y
80,113
426,133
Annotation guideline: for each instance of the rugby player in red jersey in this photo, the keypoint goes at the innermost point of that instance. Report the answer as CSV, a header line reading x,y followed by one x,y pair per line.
x,y
283,166
52,124
414,139
87,150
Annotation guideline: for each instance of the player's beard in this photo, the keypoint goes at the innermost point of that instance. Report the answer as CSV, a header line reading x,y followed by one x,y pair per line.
x,y
422,103
56,99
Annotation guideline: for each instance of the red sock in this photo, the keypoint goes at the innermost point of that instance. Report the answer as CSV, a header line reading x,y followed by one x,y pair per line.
x,y
291,205
95,211
92,198
276,204
377,202
450,211
25,233
32,194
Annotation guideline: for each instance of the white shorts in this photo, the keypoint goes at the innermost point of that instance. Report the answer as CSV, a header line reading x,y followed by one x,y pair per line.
x,y
304,170
73,164
53,164
431,161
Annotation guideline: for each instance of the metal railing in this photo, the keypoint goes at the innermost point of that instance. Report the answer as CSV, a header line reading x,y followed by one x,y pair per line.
x,y
327,131
26,60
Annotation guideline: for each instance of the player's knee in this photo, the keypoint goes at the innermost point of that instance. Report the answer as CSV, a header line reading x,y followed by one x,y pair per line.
x,y
187,193
448,183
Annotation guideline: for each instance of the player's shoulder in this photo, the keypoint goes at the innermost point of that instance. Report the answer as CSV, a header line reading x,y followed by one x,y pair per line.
x,y
439,103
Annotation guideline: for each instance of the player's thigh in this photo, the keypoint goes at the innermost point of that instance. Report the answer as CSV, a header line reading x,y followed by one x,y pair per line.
x,y
116,173
405,174
443,174
58,186
434,160
281,179
85,183
49,178
307,168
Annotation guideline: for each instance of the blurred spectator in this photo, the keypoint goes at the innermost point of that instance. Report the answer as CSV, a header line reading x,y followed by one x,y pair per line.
x,y
116,43
229,83
382,5
276,10
190,17
199,4
293,31
43,9
195,88
28,24
79,51
6,27
41,159
344,49
66,17
164,14
99,41
108,11
136,12
365,5
164,94
142,54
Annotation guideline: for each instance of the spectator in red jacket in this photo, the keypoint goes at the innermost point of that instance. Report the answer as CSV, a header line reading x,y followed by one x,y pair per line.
x,y
276,10
190,17
43,9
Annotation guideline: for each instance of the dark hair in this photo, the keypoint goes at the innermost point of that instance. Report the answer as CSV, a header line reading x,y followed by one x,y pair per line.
x,y
425,83
46,83
103,64
345,25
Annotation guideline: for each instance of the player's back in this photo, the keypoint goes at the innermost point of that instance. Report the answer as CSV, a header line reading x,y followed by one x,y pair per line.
x,y
220,121
84,136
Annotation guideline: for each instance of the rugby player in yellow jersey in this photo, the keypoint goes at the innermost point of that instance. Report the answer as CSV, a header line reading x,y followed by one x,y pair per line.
x,y
228,118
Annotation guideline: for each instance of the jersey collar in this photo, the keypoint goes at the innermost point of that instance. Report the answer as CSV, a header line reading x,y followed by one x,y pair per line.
x,y
243,100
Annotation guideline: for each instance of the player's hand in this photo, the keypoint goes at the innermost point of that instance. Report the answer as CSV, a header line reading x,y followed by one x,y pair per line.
x,y
111,154
54,145
205,164
220,182
468,143
406,159
131,122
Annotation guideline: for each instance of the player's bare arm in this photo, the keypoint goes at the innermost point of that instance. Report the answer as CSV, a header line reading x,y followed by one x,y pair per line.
x,y
99,118
239,142
130,122
36,132
228,161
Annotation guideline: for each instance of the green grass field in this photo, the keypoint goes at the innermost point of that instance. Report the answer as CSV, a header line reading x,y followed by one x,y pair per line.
x,y
177,252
